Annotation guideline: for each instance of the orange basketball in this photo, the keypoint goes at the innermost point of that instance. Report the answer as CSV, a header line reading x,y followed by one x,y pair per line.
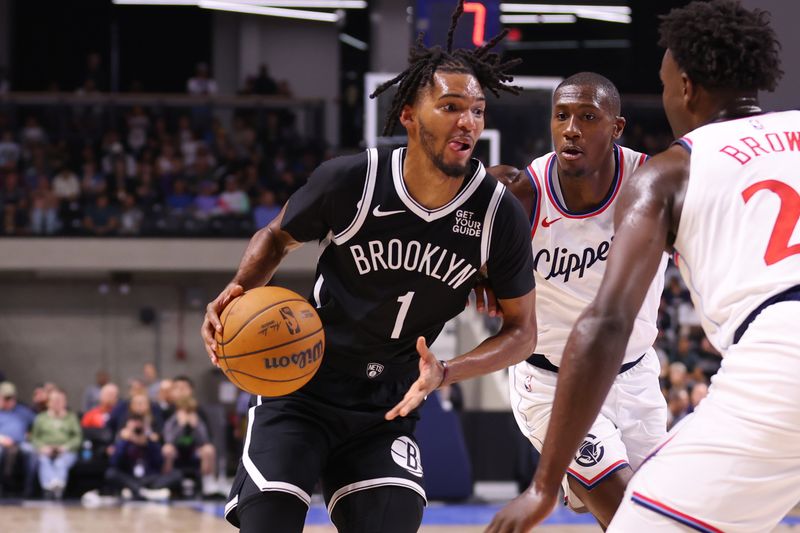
x,y
272,341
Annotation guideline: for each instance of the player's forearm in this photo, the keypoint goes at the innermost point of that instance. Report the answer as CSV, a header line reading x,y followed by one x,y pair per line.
x,y
591,361
512,344
261,258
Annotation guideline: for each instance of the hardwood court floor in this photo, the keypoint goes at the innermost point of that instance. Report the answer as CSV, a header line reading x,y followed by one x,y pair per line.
x,y
46,517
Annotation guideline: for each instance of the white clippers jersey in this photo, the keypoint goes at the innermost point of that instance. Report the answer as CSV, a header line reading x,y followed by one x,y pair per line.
x,y
738,238
569,254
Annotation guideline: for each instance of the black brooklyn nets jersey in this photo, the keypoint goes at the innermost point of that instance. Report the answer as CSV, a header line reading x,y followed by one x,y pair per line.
x,y
393,270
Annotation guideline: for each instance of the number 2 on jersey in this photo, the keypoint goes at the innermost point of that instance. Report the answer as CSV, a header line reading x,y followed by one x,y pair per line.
x,y
778,247
405,303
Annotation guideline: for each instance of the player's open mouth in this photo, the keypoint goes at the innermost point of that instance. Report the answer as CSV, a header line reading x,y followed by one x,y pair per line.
x,y
460,145
571,152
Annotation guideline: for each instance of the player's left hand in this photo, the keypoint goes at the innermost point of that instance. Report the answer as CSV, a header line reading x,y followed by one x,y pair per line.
x,y
431,373
523,512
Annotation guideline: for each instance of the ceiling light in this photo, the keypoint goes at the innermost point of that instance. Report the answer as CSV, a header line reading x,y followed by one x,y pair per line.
x,y
269,11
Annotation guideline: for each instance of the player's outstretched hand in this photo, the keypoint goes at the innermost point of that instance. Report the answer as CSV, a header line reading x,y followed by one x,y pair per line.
x,y
523,512
211,323
431,374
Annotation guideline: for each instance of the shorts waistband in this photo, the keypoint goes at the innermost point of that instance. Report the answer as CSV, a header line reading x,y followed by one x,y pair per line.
x,y
792,293
541,361
375,370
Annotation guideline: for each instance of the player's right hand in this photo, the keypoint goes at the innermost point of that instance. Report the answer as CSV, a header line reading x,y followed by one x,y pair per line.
x,y
211,323
523,512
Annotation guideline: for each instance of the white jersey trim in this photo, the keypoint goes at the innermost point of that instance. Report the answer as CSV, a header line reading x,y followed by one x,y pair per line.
x,y
257,477
429,215
231,505
373,483
318,290
488,222
366,199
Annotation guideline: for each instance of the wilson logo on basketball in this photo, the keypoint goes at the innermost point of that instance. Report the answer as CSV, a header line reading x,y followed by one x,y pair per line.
x,y
291,322
299,359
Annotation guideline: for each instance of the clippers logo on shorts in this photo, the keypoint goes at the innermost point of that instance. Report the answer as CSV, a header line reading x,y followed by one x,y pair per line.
x,y
406,454
374,370
591,451
291,322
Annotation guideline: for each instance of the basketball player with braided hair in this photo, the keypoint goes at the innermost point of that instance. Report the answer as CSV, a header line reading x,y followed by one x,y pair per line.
x,y
725,197
406,232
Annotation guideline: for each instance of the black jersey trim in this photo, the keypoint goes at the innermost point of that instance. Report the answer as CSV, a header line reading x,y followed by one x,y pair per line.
x,y
366,199
488,222
429,215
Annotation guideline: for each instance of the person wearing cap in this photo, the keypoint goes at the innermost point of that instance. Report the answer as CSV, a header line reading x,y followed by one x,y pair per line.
x,y
15,421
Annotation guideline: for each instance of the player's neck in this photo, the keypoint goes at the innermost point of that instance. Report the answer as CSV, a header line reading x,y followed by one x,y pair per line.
x,y
427,184
586,192
729,106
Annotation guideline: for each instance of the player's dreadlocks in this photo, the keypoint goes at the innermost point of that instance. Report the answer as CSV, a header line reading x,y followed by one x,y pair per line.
x,y
721,45
424,62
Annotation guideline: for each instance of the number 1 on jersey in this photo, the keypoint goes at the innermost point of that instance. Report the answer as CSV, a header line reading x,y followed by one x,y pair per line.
x,y
405,303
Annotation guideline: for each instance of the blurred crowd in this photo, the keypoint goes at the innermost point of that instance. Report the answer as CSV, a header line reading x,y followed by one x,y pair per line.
x,y
688,360
152,442
151,170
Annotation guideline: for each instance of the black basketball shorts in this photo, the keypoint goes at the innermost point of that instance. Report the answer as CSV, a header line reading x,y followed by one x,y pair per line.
x,y
294,441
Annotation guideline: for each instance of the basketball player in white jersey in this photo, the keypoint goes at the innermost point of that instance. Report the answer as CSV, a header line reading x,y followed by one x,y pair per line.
x,y
569,196
726,198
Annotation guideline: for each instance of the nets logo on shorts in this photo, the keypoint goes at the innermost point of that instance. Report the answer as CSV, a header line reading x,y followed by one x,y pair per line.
x,y
591,451
406,454
374,370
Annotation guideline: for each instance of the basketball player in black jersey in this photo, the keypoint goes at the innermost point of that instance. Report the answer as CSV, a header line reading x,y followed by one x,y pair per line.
x,y
407,231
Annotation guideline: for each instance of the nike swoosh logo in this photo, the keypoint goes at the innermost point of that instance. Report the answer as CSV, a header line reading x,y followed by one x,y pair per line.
x,y
378,213
547,223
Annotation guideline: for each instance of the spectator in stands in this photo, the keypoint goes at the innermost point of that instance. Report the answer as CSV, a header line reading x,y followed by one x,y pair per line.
x,y
138,125
32,133
180,200
44,209
41,396
164,398
699,391
101,218
677,405
187,446
140,405
201,83
263,83
56,435
97,417
14,202
10,151
131,216
66,186
136,464
206,203
708,359
151,381
266,210
233,200
91,395
15,422
678,376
